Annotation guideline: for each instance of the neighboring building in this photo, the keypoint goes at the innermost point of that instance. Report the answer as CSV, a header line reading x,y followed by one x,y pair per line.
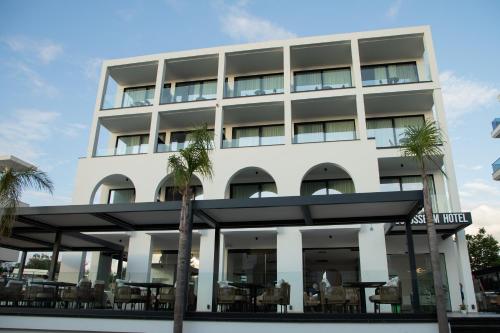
x,y
9,161
496,134
304,120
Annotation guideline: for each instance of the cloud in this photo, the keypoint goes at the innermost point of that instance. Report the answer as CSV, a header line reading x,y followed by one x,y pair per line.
x,y
23,133
393,9
486,216
462,95
45,51
476,167
73,130
38,198
240,25
480,190
36,83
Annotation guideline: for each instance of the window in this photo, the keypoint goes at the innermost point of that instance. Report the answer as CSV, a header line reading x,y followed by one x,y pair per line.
x,y
325,131
195,91
322,79
256,136
374,75
409,183
182,139
138,96
253,190
327,187
123,195
252,265
172,194
132,144
388,132
258,85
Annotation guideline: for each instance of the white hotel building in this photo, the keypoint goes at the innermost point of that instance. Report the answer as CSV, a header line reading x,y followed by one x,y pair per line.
x,y
306,120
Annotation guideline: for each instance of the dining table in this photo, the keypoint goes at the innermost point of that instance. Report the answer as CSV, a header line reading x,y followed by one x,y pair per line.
x,y
253,289
362,285
149,286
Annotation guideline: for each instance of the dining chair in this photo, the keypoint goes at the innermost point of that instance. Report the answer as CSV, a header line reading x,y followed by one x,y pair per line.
x,y
332,298
122,297
388,295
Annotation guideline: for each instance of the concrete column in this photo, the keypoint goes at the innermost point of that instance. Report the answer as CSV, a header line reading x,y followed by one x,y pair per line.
x,y
289,264
22,264
139,257
159,81
219,116
287,87
205,276
357,82
153,132
100,267
72,266
448,247
94,129
372,258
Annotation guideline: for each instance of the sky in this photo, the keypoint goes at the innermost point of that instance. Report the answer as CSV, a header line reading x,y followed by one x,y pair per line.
x,y
51,51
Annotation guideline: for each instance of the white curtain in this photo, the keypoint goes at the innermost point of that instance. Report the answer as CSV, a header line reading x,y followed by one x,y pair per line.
x,y
340,130
382,131
339,186
121,196
244,191
307,81
309,133
128,145
313,188
244,137
210,89
268,190
272,135
401,124
138,96
272,84
246,86
403,73
337,78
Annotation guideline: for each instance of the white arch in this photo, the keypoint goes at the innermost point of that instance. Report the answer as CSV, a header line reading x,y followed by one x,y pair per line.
x,y
113,178
167,178
234,175
324,164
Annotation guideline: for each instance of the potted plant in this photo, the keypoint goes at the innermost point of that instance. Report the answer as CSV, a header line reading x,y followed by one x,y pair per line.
x,y
463,308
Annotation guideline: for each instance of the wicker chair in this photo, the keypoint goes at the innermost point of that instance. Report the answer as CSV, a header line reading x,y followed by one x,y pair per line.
x,y
137,298
98,295
69,296
31,292
279,296
332,298
84,293
311,302
226,298
387,295
122,296
47,296
353,299
166,298
12,292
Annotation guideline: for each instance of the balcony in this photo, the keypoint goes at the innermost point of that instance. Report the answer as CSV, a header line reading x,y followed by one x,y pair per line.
x,y
123,135
130,86
174,130
496,169
254,73
254,125
321,66
324,119
394,60
190,79
496,128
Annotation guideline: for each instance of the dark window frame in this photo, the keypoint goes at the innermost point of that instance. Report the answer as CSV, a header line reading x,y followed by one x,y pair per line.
x,y
323,125
119,189
325,180
259,186
260,127
260,76
322,83
400,180
193,192
386,67
147,87
393,124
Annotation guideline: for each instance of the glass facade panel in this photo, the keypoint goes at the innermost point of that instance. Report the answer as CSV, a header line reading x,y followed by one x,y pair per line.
x,y
132,144
272,135
305,81
253,190
189,91
125,195
138,96
410,183
388,132
401,124
256,266
322,79
312,132
248,136
373,75
340,130
258,85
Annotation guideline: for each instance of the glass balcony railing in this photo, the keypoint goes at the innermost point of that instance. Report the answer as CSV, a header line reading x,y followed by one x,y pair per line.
x,y
256,85
376,75
322,79
173,146
496,165
495,123
254,142
132,150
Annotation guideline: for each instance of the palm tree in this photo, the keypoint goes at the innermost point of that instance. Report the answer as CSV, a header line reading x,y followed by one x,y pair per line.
x,y
193,159
423,143
12,185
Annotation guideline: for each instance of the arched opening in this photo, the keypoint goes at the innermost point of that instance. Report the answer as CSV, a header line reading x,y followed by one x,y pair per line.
x,y
326,179
114,189
166,190
251,182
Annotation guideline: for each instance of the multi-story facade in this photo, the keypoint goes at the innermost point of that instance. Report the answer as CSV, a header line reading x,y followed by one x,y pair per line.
x,y
307,116
496,134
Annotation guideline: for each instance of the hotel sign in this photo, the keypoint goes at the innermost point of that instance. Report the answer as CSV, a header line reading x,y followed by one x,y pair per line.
x,y
443,218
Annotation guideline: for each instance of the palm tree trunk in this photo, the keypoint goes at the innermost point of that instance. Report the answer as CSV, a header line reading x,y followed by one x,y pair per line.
x,y
435,258
183,260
